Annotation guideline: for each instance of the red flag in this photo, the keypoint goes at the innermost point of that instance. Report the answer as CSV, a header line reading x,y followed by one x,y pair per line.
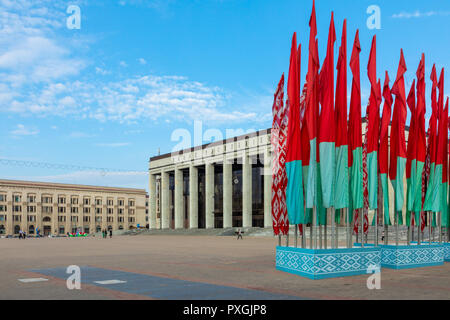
x,y
411,149
398,143
384,129
341,92
277,109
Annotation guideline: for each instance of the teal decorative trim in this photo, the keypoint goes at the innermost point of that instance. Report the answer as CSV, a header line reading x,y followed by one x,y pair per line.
x,y
322,264
414,256
447,252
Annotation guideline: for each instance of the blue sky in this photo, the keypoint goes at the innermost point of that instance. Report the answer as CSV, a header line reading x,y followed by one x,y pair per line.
x,y
112,93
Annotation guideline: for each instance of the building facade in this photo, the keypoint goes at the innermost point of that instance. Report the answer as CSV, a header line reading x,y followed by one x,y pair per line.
x,y
219,185
54,208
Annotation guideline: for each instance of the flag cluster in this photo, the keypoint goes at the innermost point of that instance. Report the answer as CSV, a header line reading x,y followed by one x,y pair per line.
x,y
328,165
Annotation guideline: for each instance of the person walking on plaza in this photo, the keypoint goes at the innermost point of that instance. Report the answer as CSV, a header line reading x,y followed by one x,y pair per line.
x,y
103,233
239,234
110,233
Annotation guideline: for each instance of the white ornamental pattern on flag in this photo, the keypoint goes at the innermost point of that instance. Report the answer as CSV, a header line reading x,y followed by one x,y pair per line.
x,y
278,220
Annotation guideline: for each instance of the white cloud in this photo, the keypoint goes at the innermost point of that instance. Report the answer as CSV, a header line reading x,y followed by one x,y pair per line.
x,y
123,64
142,61
101,71
419,14
21,130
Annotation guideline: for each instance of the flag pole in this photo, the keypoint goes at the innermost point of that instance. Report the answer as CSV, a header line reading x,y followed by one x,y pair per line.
x,y
430,220
279,240
419,227
440,227
287,239
376,228
311,236
295,235
396,229
333,228
325,240
347,227
313,233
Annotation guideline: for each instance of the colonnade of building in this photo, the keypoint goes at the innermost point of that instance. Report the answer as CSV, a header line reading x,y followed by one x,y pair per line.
x,y
161,195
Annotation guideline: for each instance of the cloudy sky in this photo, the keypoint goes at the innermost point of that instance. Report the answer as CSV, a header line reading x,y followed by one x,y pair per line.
x,y
114,92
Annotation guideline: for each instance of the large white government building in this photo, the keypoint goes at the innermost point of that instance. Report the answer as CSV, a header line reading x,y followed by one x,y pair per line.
x,y
223,184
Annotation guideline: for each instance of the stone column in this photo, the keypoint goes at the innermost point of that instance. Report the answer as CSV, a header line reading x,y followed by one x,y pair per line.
x,y
209,195
267,188
178,201
152,202
165,209
227,193
193,197
246,191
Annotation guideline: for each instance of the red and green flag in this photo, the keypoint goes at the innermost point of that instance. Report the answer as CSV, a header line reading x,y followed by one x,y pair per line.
x,y
342,192
397,143
373,118
444,152
383,156
411,167
327,152
355,131
420,139
311,114
277,176
432,196
294,190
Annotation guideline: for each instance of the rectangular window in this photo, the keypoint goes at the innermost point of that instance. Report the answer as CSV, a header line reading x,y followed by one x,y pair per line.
x,y
110,210
86,210
74,210
74,200
31,198
31,208
87,201
17,208
121,202
74,219
98,219
120,210
17,198
62,219
31,218
2,197
110,202
47,199
86,219
61,209
98,202
17,218
131,211
2,208
131,203
61,200
98,210
47,209
2,217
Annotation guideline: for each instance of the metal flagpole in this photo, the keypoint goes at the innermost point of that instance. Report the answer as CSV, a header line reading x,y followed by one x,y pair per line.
x,y
440,228
347,227
335,229
314,228
361,225
311,236
376,228
396,229
287,239
279,240
320,236
386,234
430,220
325,240
419,227
295,235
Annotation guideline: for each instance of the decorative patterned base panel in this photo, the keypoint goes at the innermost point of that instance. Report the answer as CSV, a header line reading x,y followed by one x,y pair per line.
x,y
414,256
447,252
332,263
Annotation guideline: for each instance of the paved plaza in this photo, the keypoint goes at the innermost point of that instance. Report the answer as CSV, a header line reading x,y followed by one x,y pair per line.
x,y
187,267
